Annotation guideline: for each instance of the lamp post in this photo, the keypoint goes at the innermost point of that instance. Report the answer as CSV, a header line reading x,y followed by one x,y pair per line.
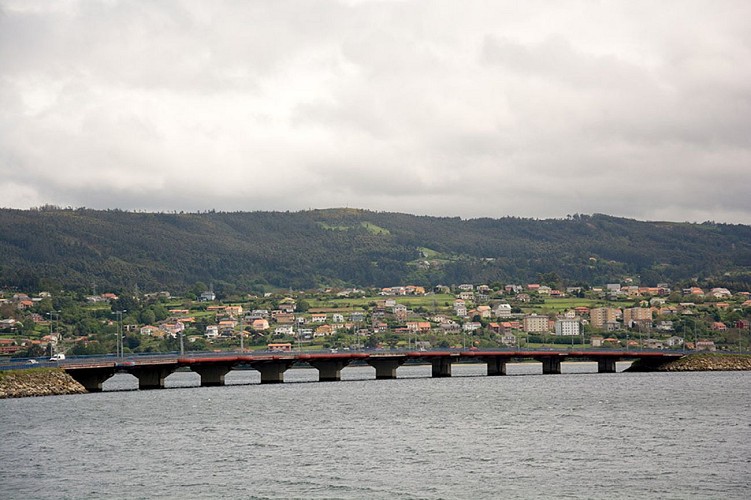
x,y
54,315
119,343
740,335
242,334
641,345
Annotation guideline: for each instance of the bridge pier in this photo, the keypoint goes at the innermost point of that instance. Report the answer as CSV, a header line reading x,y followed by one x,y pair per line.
x,y
606,365
441,367
272,372
151,377
551,365
386,367
329,370
92,378
212,375
496,366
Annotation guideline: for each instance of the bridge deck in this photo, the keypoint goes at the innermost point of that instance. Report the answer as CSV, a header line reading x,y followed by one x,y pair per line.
x,y
152,370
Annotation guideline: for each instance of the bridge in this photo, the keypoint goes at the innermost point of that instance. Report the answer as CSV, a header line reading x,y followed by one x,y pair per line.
x,y
151,371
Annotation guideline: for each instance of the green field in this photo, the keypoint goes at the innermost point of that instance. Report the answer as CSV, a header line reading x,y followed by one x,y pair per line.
x,y
564,304
412,301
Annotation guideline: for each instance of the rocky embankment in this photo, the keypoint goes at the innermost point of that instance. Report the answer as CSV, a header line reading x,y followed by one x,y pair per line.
x,y
37,382
704,362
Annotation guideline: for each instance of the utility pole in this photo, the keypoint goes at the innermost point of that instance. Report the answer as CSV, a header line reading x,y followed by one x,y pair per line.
x,y
740,335
242,334
296,336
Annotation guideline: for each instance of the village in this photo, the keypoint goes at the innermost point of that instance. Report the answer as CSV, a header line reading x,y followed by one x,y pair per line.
x,y
616,315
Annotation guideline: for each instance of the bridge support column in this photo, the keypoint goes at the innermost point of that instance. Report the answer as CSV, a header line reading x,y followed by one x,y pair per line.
x,y
329,370
496,366
606,365
551,366
91,378
386,367
441,367
272,372
212,375
151,377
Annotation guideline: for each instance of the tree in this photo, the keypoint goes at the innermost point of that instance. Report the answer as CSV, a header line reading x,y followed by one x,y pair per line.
x,y
27,327
147,317
196,345
35,351
125,303
198,288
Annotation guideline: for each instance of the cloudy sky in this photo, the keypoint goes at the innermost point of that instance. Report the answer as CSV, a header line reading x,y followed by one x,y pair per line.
x,y
472,108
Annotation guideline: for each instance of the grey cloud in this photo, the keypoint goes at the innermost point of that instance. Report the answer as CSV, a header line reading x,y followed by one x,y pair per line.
x,y
470,109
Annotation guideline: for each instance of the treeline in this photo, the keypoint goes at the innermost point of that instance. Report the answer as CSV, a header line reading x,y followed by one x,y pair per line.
x,y
54,248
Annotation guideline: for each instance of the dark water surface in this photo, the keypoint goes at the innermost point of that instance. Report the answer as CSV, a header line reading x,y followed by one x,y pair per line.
x,y
576,435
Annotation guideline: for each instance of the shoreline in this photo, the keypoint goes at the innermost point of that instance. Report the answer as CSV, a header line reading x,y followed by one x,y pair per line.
x,y
698,362
35,382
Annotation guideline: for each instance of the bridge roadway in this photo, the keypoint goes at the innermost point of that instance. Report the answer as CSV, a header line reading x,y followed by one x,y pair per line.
x,y
151,371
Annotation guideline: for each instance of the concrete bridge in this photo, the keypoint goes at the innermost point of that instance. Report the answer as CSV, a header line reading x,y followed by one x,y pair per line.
x,y
152,371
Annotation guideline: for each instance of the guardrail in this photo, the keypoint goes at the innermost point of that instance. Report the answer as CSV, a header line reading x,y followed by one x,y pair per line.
x,y
25,363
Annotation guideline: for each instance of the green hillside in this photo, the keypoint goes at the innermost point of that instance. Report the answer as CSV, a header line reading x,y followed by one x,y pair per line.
x,y
82,248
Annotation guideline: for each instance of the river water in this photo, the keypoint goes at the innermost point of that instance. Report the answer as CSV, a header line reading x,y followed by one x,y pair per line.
x,y
575,435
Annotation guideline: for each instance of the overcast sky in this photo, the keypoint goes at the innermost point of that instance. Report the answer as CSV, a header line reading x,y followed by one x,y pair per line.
x,y
463,108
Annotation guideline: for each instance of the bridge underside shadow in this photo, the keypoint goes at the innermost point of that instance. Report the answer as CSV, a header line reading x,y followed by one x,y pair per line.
x,y
385,367
92,379
272,371
329,370
212,375
152,377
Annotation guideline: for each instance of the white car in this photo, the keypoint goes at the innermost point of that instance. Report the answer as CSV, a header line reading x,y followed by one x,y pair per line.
x,y
57,357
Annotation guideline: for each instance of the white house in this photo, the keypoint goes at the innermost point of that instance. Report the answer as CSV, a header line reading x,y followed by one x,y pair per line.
x,y
674,341
283,330
471,326
503,310
508,338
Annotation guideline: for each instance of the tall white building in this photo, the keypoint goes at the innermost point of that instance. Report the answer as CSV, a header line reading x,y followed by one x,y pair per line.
x,y
567,326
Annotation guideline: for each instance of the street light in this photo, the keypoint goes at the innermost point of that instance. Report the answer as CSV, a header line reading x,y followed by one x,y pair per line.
x,y
54,315
119,343
242,334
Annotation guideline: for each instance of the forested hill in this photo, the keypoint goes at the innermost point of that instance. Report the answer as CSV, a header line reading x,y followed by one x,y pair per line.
x,y
115,250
